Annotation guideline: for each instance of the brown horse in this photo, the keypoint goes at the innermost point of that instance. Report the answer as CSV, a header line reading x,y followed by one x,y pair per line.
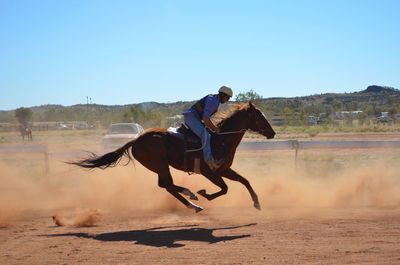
x,y
25,131
157,149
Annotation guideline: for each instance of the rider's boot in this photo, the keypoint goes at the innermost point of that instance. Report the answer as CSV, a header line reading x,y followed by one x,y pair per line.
x,y
214,164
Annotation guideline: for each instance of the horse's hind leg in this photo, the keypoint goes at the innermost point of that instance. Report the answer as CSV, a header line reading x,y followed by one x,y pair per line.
x,y
171,189
165,181
150,151
232,175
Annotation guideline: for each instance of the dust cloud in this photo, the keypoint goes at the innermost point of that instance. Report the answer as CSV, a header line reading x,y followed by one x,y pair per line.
x,y
326,179
86,218
340,179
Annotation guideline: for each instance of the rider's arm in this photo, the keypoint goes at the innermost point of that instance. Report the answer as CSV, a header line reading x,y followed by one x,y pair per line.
x,y
209,124
210,105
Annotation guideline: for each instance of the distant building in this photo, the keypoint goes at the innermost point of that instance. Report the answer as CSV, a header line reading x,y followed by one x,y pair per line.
x,y
341,115
59,125
384,117
384,114
312,120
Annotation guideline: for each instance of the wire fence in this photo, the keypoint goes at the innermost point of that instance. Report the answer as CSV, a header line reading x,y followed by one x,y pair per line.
x,y
265,145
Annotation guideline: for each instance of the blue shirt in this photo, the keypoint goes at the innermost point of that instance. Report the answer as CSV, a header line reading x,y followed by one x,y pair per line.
x,y
211,104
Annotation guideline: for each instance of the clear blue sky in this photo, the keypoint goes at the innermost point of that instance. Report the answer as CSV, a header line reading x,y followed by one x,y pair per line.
x,y
123,52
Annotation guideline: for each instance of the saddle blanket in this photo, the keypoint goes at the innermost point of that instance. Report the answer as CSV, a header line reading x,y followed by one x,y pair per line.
x,y
192,138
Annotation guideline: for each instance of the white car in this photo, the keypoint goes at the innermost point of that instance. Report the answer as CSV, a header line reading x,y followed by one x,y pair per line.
x,y
62,126
120,133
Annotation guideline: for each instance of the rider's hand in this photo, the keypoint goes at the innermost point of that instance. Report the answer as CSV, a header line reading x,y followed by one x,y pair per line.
x,y
210,125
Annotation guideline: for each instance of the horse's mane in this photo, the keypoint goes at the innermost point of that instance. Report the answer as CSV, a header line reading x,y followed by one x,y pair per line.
x,y
231,111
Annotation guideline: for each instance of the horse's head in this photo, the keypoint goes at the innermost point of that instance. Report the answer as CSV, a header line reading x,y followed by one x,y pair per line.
x,y
257,122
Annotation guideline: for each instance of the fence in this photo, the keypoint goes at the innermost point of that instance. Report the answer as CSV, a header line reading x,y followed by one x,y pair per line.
x,y
297,145
267,145
32,149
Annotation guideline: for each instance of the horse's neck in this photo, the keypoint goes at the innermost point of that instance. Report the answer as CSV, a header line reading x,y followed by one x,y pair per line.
x,y
236,129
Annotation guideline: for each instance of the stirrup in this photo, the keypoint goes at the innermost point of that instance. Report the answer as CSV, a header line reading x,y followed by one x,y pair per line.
x,y
219,162
214,164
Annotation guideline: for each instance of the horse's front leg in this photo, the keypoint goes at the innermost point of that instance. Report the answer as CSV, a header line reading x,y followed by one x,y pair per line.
x,y
217,180
232,175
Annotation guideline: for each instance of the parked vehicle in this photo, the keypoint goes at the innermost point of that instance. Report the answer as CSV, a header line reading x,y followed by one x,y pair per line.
x,y
62,126
384,117
120,133
82,126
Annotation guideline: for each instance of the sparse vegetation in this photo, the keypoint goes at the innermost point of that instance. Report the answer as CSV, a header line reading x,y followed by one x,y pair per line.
x,y
23,115
292,112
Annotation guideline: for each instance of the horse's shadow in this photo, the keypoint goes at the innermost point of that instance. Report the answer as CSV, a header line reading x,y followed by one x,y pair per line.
x,y
163,236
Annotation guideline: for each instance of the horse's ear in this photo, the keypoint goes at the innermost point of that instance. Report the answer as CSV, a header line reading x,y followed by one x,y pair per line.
x,y
251,104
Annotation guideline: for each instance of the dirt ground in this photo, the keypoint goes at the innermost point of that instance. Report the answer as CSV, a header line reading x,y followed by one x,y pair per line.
x,y
326,207
217,236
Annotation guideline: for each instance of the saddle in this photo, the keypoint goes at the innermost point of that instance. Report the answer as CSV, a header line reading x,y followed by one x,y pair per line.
x,y
184,133
193,143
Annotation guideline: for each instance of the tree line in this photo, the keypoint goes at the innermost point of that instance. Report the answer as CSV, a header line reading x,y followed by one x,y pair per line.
x,y
293,111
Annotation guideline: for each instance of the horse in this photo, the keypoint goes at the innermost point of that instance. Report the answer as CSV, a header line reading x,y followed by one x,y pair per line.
x,y
157,149
25,131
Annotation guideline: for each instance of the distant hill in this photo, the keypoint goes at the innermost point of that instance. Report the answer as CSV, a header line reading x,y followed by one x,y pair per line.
x,y
379,89
373,100
378,95
149,105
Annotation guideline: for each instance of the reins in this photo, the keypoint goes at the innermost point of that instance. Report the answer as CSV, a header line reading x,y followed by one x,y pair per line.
x,y
232,132
222,133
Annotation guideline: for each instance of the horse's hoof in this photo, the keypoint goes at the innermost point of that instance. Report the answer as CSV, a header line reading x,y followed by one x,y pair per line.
x,y
191,195
199,209
257,205
202,192
195,207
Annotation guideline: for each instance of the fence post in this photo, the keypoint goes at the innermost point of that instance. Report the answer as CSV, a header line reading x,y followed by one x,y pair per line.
x,y
295,146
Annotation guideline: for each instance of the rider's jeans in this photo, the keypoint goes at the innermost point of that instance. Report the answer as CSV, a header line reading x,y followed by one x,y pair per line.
x,y
193,121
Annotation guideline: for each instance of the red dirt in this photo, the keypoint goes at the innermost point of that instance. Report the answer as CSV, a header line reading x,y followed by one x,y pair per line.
x,y
331,207
217,236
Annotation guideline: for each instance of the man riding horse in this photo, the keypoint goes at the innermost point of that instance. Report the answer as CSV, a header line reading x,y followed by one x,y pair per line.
x,y
158,149
198,117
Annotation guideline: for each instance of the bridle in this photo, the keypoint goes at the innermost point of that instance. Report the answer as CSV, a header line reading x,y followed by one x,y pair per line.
x,y
232,132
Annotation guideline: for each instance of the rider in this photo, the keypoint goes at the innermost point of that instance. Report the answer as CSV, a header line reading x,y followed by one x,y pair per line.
x,y
199,116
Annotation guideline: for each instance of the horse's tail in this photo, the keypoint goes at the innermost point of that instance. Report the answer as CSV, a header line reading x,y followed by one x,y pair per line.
x,y
110,159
